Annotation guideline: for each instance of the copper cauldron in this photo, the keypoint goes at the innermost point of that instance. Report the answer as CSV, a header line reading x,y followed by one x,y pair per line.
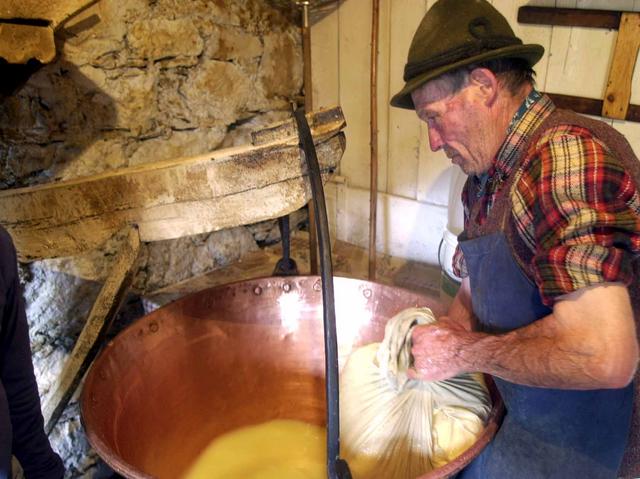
x,y
227,357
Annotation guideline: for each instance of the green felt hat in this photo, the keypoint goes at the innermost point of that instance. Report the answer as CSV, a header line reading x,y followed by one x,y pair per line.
x,y
455,33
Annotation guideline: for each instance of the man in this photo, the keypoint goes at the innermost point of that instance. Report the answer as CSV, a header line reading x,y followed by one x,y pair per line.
x,y
21,423
551,240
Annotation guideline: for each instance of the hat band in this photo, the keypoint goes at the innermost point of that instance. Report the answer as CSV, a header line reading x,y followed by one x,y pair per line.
x,y
467,50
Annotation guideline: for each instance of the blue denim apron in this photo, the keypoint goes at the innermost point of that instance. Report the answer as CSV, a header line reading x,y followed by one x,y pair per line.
x,y
546,433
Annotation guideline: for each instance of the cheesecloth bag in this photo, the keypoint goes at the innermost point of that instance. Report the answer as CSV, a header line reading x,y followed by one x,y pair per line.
x,y
395,427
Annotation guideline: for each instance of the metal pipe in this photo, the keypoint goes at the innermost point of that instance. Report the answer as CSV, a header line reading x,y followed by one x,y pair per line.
x,y
373,188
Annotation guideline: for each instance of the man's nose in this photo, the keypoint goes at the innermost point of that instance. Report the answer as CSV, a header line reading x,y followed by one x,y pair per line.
x,y
435,139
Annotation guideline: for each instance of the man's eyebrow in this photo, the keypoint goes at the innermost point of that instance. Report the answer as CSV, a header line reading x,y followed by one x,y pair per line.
x,y
426,111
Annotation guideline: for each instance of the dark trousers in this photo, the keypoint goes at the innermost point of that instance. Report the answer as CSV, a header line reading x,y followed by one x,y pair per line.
x,y
21,423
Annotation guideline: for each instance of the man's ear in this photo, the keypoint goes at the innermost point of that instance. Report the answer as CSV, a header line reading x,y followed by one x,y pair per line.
x,y
487,84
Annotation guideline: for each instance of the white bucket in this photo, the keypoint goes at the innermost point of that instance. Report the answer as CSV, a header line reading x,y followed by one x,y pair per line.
x,y
449,282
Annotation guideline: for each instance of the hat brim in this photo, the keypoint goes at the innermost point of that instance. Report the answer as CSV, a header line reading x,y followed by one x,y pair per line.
x,y
532,53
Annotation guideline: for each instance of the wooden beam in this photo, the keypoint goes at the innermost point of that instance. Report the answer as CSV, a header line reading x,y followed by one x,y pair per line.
x,y
570,17
173,198
618,92
90,340
590,106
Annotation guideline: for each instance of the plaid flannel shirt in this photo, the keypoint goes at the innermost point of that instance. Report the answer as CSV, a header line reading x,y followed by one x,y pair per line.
x,y
574,206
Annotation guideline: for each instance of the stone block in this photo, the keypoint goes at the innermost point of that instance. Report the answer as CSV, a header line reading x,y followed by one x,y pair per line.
x,y
175,42
218,92
281,66
232,43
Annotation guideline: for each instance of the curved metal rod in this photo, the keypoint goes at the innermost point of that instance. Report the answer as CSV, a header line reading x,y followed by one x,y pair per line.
x,y
336,467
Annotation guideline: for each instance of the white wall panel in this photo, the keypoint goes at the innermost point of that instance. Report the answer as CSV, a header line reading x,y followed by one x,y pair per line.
x,y
413,181
579,61
405,228
384,74
354,22
404,129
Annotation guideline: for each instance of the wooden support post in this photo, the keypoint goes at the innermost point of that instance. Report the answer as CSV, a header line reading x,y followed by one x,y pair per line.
x,y
618,92
90,340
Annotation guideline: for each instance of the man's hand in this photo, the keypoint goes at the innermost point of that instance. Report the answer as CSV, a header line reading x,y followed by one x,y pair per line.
x,y
436,350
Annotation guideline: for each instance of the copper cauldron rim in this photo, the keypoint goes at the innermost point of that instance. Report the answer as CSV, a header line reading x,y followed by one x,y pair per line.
x,y
270,287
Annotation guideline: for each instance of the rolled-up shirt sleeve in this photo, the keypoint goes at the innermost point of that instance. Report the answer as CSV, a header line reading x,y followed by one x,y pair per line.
x,y
585,215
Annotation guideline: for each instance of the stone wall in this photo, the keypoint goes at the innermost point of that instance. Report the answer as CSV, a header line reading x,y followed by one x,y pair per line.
x,y
138,81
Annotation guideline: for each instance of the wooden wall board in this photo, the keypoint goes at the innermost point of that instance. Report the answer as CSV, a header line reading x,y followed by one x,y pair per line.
x,y
384,92
404,129
621,5
538,34
582,55
635,90
631,131
405,227
618,90
354,23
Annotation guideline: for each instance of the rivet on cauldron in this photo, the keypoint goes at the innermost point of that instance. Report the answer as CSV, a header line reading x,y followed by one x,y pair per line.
x,y
286,287
317,286
366,293
153,326
257,290
102,375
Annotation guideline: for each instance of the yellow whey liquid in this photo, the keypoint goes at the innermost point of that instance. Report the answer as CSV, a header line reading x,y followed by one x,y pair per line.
x,y
278,449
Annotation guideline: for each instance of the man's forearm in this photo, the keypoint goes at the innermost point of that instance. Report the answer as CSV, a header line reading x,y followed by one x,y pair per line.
x,y
588,342
533,357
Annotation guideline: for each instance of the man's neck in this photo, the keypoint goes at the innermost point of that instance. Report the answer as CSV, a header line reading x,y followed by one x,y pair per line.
x,y
506,109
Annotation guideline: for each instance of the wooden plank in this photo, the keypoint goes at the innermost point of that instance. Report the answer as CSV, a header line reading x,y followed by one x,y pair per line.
x,y
538,34
590,106
404,127
570,17
355,36
432,165
100,318
384,74
618,92
578,61
172,198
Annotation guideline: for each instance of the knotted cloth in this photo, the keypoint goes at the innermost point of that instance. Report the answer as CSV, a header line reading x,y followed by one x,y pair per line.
x,y
396,427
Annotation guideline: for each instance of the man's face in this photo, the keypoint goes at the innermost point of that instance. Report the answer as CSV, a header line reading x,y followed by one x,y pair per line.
x,y
458,123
